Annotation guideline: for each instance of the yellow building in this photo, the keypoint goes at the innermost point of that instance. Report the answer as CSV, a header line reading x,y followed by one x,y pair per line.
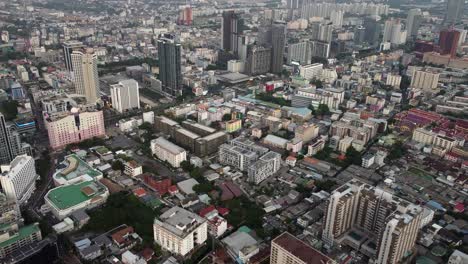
x,y
233,125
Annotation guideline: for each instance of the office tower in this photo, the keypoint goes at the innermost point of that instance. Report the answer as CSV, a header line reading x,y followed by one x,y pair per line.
x,y
180,231
278,38
287,248
372,30
448,42
170,66
231,28
10,142
455,12
185,16
68,48
258,60
413,21
86,74
18,179
426,81
357,209
73,127
299,52
243,41
125,95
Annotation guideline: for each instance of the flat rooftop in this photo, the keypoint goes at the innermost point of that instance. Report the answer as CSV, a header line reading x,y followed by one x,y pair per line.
x,y
75,167
167,145
301,250
179,221
23,233
64,197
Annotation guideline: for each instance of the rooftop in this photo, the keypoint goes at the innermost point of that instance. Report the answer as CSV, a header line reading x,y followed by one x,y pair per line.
x,y
179,221
64,197
74,167
22,233
169,146
300,249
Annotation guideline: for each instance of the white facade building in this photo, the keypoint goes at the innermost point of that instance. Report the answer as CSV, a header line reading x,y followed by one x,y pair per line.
x,y
180,231
311,71
125,95
148,117
168,151
19,178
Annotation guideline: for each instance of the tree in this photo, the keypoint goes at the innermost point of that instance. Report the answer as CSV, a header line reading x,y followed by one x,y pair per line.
x,y
323,109
203,188
325,185
118,165
353,156
9,109
226,117
146,126
312,108
318,83
397,151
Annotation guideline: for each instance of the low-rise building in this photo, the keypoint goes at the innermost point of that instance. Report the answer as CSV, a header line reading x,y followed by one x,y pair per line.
x,y
168,151
132,168
14,237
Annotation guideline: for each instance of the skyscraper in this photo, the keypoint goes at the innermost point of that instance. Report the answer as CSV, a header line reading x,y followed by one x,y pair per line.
x,y
413,21
455,11
278,38
170,66
10,142
357,209
125,95
372,30
231,28
68,48
448,42
86,74
299,52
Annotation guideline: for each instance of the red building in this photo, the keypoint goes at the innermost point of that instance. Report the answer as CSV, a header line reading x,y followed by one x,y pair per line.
x,y
185,16
160,185
448,42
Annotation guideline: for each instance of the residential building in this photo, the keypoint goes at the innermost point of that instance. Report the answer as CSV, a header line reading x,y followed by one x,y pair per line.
x,y
125,95
18,179
241,246
132,168
168,151
73,127
233,125
287,248
278,40
424,136
10,142
458,257
264,167
170,72
68,48
14,237
180,231
357,209
427,81
86,76
413,21
299,52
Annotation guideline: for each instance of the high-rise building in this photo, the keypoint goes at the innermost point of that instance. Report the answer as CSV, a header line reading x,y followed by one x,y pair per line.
x,y
231,28
455,12
424,80
299,52
185,16
258,60
372,30
180,231
320,49
320,31
448,42
168,151
125,95
278,39
10,142
357,209
393,32
170,66
413,21
68,48
287,248
86,74
293,4
73,127
336,18
359,35
18,179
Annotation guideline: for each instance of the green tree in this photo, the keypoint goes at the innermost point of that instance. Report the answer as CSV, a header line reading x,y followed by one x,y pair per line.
x,y
322,110
397,151
312,108
203,188
226,117
9,109
118,165
353,156
325,185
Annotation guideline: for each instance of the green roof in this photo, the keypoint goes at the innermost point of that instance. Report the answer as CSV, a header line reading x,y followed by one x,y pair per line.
x,y
23,233
67,196
102,150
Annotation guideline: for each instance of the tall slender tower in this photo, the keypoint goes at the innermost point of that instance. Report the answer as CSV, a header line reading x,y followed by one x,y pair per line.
x,y
10,142
413,22
170,66
278,39
68,48
231,28
455,11
86,74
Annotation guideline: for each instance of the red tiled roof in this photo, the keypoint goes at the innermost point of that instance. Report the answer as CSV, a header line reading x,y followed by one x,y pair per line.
x,y
119,236
139,192
223,211
172,189
301,250
207,210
